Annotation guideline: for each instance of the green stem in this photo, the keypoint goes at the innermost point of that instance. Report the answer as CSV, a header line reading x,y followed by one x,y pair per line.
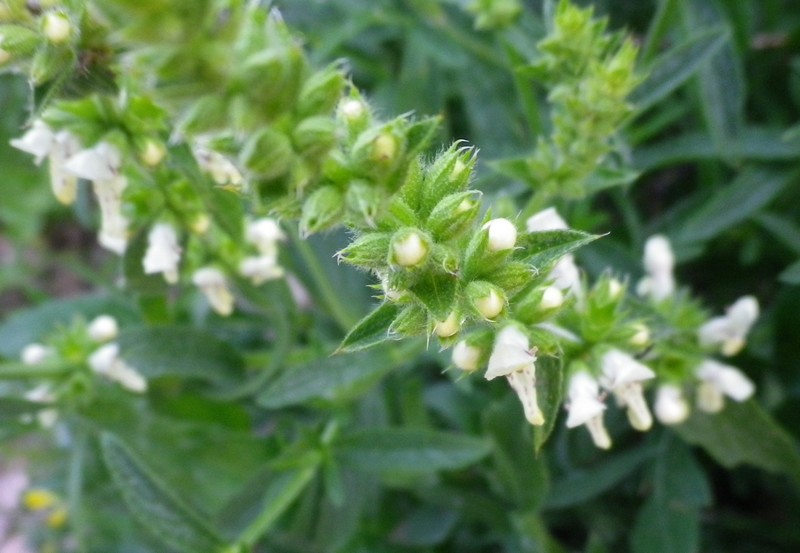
x,y
75,481
16,370
331,298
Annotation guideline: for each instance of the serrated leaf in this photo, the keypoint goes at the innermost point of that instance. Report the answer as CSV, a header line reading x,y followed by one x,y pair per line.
x,y
675,67
409,450
371,330
437,291
582,485
744,433
180,351
549,393
31,325
752,190
155,506
540,249
334,378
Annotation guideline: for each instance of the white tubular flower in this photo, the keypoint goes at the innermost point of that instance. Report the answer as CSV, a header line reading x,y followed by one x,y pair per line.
x,y
586,408
35,353
219,167
512,357
565,273
107,362
64,184
659,262
99,163
448,327
264,234
502,235
729,332
214,286
718,380
260,269
163,253
37,141
103,328
623,375
671,406
466,357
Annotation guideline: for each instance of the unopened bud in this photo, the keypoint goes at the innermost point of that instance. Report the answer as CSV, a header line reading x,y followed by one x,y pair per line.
x,y
33,354
384,148
466,357
552,298
103,328
409,250
502,234
641,335
614,288
352,109
200,223
57,28
448,327
490,305
153,153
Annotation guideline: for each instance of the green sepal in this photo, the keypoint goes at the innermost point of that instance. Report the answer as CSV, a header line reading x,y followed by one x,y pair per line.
x,y
364,203
541,249
314,136
411,321
437,291
17,40
268,154
511,276
371,330
321,91
368,251
322,210
453,215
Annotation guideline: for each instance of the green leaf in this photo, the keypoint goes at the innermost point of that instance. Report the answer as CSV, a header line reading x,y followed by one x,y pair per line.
x,y
409,450
669,522
371,330
549,392
155,507
181,351
604,178
525,480
31,325
437,291
540,249
752,190
582,485
675,67
791,274
744,433
12,408
337,378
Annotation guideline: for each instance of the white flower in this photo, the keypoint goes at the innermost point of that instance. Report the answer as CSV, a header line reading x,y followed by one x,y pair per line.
x,y
107,362
623,375
163,253
448,327
214,286
265,233
35,353
670,406
586,408
260,269
512,357
44,394
410,251
502,235
64,184
659,262
466,357
99,163
718,380
219,167
729,332
565,273
37,141
490,305
103,328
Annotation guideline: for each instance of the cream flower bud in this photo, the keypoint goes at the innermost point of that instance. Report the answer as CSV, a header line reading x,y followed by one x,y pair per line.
x,y
56,27
214,286
659,263
614,288
490,305
502,234
163,253
641,335
710,398
35,353
103,328
384,148
552,298
466,357
37,141
390,293
448,327
153,153
670,406
513,358
410,250
352,109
